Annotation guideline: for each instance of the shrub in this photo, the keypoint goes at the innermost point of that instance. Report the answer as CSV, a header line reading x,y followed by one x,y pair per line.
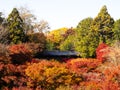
x,y
36,42
111,80
89,85
23,88
51,74
82,65
113,55
34,48
35,60
19,53
4,55
65,88
12,76
101,51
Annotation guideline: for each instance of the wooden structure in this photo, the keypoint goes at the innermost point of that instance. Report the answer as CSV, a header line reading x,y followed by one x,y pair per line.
x,y
58,54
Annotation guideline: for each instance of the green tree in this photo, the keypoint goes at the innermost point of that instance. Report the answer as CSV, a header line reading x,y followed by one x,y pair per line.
x,y
15,27
82,37
116,30
100,31
55,37
49,45
93,42
67,44
68,32
103,25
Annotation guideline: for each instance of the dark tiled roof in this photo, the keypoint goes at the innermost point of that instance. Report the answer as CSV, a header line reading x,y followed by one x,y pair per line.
x,y
60,53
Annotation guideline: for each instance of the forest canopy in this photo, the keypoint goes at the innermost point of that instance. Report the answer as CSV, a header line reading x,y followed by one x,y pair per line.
x,y
21,26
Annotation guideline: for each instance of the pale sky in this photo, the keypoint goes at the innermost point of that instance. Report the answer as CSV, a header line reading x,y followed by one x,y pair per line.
x,y
63,13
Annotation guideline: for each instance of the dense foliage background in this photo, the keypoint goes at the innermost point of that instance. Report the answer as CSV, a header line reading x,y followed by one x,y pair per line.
x,y
96,40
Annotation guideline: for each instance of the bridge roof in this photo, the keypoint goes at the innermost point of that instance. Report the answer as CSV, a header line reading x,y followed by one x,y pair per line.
x,y
60,53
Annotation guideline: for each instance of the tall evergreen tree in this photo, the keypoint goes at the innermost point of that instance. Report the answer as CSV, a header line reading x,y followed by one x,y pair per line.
x,y
92,32
82,37
116,30
15,27
103,25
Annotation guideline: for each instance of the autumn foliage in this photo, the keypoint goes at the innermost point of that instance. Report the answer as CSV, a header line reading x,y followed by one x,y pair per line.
x,y
75,74
101,51
19,53
52,74
82,65
27,73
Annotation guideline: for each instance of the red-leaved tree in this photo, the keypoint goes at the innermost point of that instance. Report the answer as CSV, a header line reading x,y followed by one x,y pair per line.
x,y
101,51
